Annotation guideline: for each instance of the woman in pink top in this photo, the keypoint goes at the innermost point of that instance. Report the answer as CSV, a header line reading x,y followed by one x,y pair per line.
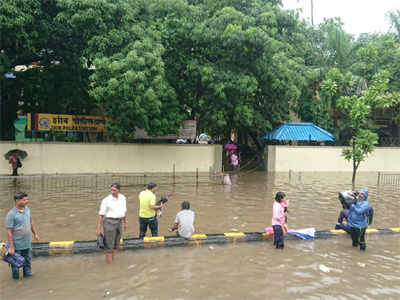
x,y
279,219
234,161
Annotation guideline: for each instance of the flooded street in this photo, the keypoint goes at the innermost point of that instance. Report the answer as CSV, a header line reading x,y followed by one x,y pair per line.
x,y
66,208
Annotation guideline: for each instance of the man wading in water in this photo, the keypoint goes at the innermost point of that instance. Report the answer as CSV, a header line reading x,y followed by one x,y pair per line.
x,y
112,213
147,210
20,228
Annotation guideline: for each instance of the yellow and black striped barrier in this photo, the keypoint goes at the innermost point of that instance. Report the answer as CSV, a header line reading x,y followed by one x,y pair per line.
x,y
79,247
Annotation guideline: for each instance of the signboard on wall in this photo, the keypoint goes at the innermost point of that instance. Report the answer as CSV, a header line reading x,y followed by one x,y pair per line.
x,y
60,122
186,131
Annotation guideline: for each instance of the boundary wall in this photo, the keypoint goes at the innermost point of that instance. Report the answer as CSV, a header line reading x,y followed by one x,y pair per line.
x,y
87,158
328,159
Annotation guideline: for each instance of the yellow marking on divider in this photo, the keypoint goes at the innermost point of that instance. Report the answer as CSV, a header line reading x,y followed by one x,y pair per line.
x,y
198,236
62,247
153,239
62,244
234,234
337,231
371,230
395,229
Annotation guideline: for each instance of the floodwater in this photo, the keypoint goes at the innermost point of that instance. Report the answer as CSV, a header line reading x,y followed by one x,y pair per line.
x,y
66,208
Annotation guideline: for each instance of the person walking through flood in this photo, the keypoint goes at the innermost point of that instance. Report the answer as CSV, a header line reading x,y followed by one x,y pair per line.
x,y
15,163
234,161
147,210
358,219
184,221
278,219
112,213
20,227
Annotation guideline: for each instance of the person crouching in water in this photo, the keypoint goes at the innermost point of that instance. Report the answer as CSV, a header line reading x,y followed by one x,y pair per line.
x,y
358,219
278,219
184,221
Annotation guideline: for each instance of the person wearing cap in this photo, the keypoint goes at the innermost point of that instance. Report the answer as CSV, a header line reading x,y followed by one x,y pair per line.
x,y
358,219
147,211
112,213
184,221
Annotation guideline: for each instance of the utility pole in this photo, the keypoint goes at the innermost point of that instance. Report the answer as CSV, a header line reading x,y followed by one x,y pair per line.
x,y
312,13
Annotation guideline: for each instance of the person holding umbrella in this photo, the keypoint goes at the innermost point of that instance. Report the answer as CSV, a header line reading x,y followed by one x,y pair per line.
x,y
14,159
234,159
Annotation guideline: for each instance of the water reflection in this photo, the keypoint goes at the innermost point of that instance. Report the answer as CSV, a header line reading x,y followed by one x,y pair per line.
x,y
66,209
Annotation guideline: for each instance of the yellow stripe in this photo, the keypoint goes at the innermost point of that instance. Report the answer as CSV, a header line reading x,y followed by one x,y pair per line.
x,y
198,236
234,234
371,230
395,229
153,239
63,244
337,231
266,234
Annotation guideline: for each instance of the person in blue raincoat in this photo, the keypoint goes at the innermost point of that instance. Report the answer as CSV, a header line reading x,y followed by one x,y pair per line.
x,y
358,219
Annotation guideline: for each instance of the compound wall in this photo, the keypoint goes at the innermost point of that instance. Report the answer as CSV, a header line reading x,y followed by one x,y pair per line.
x,y
77,158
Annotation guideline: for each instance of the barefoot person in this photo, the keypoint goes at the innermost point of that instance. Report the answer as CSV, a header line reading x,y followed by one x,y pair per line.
x,y
112,213
20,226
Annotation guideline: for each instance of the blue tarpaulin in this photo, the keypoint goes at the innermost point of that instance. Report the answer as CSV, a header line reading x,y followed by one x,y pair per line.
x,y
299,132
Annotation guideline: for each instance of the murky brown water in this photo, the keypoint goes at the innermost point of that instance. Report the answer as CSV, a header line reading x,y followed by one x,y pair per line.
x,y
66,209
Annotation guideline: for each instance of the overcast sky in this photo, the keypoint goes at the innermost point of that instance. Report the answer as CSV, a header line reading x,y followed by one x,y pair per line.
x,y
358,15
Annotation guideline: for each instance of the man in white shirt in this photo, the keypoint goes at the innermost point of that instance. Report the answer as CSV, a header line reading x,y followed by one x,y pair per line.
x,y
112,213
184,221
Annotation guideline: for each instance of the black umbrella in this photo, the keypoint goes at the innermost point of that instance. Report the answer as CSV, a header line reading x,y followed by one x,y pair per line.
x,y
20,153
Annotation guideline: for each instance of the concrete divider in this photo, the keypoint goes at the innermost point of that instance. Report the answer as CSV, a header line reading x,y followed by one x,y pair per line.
x,y
82,247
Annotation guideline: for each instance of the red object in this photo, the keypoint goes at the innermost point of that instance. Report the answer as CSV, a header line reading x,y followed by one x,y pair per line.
x,y
13,161
231,147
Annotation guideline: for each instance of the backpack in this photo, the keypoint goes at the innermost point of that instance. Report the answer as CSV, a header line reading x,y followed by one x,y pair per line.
x,y
19,164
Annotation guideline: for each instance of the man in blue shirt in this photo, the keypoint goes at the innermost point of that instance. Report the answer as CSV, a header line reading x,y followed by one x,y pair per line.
x,y
358,219
19,225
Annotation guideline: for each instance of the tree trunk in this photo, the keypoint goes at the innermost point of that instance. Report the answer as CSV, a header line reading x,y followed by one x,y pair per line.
x,y
260,148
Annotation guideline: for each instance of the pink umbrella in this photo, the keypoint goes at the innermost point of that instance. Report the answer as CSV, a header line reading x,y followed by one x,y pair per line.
x,y
231,147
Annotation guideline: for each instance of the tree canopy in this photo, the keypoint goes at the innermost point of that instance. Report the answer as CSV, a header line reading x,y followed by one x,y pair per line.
x,y
233,66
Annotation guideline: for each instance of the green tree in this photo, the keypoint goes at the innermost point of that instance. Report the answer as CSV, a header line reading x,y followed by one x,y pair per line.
x,y
233,64
359,108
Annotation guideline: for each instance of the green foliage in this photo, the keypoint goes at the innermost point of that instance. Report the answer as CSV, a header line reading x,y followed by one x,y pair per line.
x,y
358,109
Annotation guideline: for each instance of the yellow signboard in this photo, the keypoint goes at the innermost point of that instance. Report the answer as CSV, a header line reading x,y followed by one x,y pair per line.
x,y
71,123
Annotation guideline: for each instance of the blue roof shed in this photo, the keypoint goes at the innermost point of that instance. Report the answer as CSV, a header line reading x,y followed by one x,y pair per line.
x,y
299,132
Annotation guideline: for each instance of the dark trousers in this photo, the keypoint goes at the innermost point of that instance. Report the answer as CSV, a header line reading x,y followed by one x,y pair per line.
x,y
151,222
358,237
342,226
15,172
27,254
278,236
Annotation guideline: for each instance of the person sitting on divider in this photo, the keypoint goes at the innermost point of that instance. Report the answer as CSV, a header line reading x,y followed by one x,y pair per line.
x,y
184,221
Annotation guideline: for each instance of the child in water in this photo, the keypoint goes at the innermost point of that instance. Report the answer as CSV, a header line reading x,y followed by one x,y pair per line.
x,y
279,219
